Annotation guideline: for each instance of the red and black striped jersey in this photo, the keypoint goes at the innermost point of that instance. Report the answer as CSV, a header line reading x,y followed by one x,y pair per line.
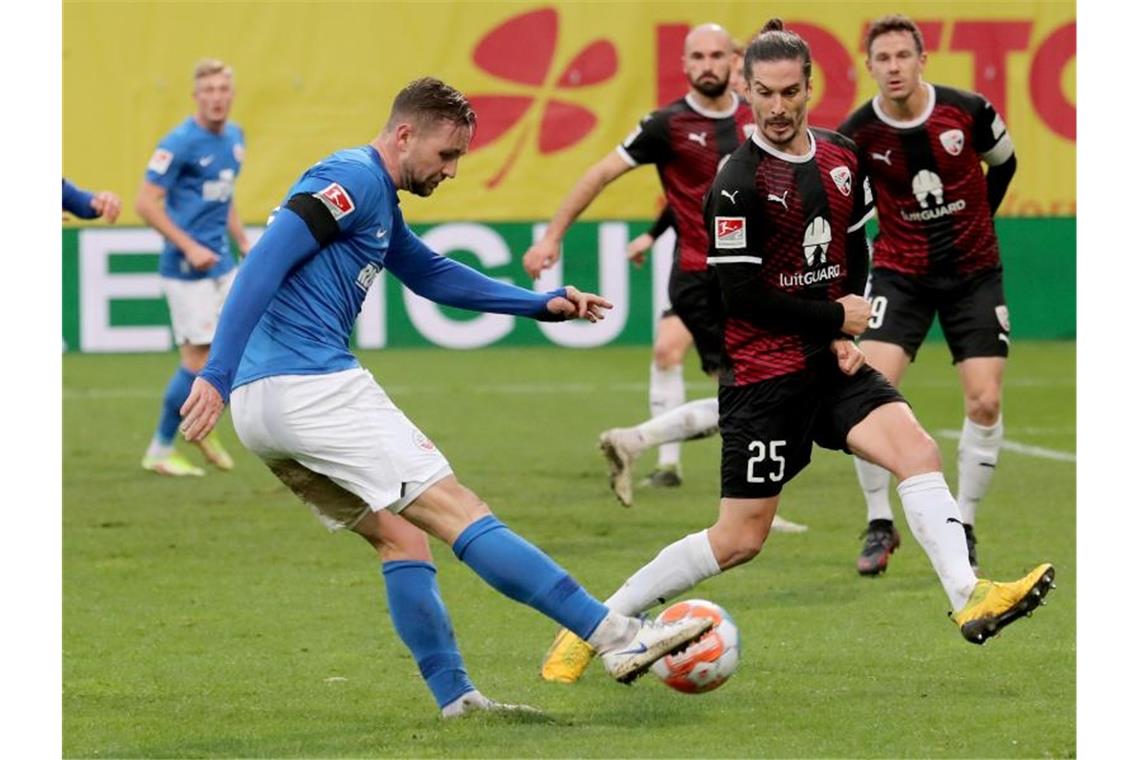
x,y
687,143
791,216
934,216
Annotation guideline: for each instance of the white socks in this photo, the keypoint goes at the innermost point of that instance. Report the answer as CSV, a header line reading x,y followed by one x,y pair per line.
x,y
874,481
936,523
696,419
977,458
158,449
676,568
666,391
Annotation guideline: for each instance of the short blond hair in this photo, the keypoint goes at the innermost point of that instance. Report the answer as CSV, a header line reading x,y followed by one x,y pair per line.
x,y
210,66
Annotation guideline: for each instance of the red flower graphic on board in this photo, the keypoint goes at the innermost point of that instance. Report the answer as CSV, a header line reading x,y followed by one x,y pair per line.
x,y
521,51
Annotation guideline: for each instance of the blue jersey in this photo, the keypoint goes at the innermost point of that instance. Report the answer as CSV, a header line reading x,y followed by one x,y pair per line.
x,y
293,305
197,168
306,328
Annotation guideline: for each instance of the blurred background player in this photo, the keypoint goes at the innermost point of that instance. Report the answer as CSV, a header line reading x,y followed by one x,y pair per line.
x,y
187,196
688,421
90,205
937,252
686,140
786,216
321,423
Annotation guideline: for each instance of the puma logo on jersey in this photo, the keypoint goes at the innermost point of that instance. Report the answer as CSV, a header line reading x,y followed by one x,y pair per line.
x,y
781,199
205,161
884,157
731,196
698,137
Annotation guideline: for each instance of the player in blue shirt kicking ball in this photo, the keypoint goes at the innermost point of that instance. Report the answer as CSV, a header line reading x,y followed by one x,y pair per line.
x,y
187,197
302,402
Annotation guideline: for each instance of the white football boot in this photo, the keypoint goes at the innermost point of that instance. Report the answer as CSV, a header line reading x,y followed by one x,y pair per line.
x,y
652,641
474,701
621,448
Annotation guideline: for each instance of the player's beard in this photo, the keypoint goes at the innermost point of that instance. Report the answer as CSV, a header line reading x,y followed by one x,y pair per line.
x,y
710,88
421,187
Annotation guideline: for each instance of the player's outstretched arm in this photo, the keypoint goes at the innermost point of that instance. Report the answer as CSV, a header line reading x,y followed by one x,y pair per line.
x,y
546,251
452,283
78,202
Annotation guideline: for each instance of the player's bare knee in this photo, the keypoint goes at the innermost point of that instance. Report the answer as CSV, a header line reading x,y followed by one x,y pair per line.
x,y
667,356
737,543
920,455
984,407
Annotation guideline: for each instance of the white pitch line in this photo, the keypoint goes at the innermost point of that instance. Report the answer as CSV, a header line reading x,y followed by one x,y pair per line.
x,y
1020,448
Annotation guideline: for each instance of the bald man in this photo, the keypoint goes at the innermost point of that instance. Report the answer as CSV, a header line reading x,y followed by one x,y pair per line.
x,y
686,140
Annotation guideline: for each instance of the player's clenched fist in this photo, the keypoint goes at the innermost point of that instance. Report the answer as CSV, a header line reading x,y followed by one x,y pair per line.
x,y
541,255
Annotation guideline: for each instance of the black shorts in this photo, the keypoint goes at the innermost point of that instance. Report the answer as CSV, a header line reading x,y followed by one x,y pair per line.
x,y
695,298
971,310
767,428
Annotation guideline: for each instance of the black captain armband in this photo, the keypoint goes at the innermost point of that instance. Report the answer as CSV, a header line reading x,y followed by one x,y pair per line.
x,y
316,217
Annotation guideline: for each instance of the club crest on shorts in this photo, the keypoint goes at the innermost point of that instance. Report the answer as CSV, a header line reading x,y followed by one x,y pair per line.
x,y
422,441
336,200
953,140
1002,313
730,232
841,175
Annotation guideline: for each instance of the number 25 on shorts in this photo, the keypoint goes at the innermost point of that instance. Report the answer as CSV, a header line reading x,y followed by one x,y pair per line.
x,y
766,453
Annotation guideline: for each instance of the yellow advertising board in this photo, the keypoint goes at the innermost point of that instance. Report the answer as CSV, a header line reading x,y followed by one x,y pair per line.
x,y
555,85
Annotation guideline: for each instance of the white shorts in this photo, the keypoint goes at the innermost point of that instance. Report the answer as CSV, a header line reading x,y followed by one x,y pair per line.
x,y
338,442
195,306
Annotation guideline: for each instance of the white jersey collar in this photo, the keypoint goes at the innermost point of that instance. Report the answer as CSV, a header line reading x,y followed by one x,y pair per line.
x,y
790,157
712,114
877,104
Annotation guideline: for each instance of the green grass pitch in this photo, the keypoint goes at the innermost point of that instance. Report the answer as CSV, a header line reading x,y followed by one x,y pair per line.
x,y
216,617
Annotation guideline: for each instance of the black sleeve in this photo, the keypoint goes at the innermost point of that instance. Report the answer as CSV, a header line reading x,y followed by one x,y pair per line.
x,y
316,217
747,297
648,143
997,182
858,262
664,222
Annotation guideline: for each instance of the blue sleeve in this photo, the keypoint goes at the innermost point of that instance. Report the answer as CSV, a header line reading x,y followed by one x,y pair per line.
x,y
285,244
451,283
166,162
345,190
77,202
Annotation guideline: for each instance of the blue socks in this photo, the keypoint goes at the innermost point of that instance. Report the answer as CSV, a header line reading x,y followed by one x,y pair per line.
x,y
519,570
172,400
423,625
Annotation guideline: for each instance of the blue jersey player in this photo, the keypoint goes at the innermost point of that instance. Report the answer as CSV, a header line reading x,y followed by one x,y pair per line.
x,y
302,402
187,197
89,205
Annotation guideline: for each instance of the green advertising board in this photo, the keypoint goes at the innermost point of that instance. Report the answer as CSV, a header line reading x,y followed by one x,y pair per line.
x,y
112,295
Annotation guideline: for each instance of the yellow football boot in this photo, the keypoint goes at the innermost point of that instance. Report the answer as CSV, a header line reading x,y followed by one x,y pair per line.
x,y
994,605
567,658
215,453
173,464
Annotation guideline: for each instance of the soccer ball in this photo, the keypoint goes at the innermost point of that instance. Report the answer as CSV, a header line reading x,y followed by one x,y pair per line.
x,y
710,660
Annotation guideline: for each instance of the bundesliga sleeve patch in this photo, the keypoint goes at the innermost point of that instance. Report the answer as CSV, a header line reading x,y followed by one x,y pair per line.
x,y
336,200
730,232
160,161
